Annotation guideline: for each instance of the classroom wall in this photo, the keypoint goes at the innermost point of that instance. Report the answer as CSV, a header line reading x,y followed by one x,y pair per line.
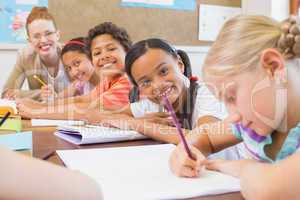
x,y
177,26
8,59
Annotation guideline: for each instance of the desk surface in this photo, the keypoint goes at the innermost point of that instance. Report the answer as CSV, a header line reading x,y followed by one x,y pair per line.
x,y
45,144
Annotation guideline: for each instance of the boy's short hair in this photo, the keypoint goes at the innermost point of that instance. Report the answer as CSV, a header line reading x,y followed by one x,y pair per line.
x,y
118,33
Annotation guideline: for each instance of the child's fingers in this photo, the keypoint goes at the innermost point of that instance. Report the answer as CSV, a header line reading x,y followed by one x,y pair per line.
x,y
165,121
156,115
182,165
45,87
162,114
215,165
10,94
187,171
225,166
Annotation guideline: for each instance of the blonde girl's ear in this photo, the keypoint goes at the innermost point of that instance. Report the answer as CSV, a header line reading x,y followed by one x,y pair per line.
x,y
272,61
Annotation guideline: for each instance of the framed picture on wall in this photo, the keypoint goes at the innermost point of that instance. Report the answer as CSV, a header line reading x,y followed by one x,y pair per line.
x,y
13,15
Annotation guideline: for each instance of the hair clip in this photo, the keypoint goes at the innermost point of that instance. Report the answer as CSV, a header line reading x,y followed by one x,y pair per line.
x,y
75,42
193,78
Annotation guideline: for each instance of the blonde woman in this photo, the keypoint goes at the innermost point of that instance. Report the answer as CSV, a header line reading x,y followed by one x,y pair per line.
x,y
253,68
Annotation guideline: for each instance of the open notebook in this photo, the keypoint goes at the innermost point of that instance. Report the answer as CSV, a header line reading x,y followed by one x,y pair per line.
x,y
13,123
95,134
54,122
142,172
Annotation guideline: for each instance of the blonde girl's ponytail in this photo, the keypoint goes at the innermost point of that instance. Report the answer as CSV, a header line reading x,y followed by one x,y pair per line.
x,y
289,41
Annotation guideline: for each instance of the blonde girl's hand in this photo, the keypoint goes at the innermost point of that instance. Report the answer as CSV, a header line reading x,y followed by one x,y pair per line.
x,y
230,167
47,92
182,165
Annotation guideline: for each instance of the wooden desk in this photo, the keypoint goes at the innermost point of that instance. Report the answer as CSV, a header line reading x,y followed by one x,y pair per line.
x,y
45,144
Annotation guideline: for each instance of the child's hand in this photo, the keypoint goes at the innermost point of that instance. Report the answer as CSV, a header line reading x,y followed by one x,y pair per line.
x,y
28,108
120,121
78,87
94,117
11,94
159,118
230,167
182,165
47,92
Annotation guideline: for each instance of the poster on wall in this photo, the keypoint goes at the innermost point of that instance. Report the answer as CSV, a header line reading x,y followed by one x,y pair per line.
x,y
168,4
13,15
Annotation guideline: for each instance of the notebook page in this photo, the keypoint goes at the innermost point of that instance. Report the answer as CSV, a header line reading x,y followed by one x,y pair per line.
x,y
51,122
142,172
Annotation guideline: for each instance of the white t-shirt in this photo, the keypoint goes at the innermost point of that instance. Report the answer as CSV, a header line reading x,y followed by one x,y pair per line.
x,y
205,104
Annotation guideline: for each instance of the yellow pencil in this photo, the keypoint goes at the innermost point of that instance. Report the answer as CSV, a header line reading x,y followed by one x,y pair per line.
x,y
39,80
43,83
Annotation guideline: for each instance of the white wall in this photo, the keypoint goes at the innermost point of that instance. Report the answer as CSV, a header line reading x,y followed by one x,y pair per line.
x,y
7,61
8,58
277,9
196,55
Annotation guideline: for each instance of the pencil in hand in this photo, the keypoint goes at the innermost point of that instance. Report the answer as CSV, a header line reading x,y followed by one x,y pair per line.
x,y
178,126
39,80
43,83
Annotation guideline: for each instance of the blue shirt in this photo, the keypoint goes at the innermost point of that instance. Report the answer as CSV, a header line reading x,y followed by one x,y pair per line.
x,y
255,144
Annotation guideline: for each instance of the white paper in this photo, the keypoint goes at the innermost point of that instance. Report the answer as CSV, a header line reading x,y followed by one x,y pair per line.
x,y
95,134
212,18
156,2
51,122
9,103
142,172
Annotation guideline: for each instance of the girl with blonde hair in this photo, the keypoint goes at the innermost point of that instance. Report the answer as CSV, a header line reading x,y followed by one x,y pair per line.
x,y
253,68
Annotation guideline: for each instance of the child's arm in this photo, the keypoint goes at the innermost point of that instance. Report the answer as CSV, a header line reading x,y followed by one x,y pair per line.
x,y
31,179
72,110
68,92
272,181
262,180
157,131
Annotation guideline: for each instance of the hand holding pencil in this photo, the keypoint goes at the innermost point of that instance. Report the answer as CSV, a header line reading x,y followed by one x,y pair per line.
x,y
47,91
182,165
186,160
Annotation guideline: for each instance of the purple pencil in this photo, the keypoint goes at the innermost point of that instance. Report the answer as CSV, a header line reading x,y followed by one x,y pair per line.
x,y
178,126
